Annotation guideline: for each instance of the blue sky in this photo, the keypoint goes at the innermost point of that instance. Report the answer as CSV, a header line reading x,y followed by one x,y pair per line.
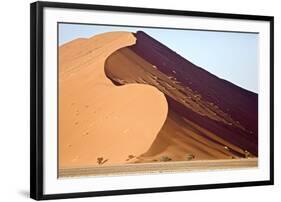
x,y
228,55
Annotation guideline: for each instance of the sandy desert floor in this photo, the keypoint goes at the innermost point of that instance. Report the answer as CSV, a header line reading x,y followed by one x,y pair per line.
x,y
167,167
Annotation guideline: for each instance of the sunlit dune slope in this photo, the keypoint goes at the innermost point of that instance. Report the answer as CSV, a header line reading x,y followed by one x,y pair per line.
x,y
101,123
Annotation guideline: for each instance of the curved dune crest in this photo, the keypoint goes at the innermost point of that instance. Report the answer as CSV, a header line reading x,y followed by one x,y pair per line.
x,y
236,109
99,122
198,126
178,137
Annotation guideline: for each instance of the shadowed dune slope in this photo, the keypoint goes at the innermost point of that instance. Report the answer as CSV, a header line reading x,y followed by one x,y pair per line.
x,y
99,122
208,118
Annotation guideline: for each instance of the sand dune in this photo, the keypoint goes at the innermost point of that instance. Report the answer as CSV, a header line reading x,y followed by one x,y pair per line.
x,y
178,138
99,122
125,98
198,127
236,107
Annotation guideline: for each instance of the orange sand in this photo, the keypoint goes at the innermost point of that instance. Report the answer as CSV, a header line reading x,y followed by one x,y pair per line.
x,y
98,119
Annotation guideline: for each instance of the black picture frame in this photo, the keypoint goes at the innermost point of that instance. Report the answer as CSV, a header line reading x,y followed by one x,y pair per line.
x,y
37,101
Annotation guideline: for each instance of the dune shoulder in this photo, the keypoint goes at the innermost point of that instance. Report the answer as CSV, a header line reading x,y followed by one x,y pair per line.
x,y
101,123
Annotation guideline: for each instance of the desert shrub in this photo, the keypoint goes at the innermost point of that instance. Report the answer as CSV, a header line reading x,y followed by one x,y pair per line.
x,y
247,154
130,157
165,158
190,157
101,160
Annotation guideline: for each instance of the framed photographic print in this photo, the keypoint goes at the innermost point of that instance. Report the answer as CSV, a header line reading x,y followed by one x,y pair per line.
x,y
136,100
